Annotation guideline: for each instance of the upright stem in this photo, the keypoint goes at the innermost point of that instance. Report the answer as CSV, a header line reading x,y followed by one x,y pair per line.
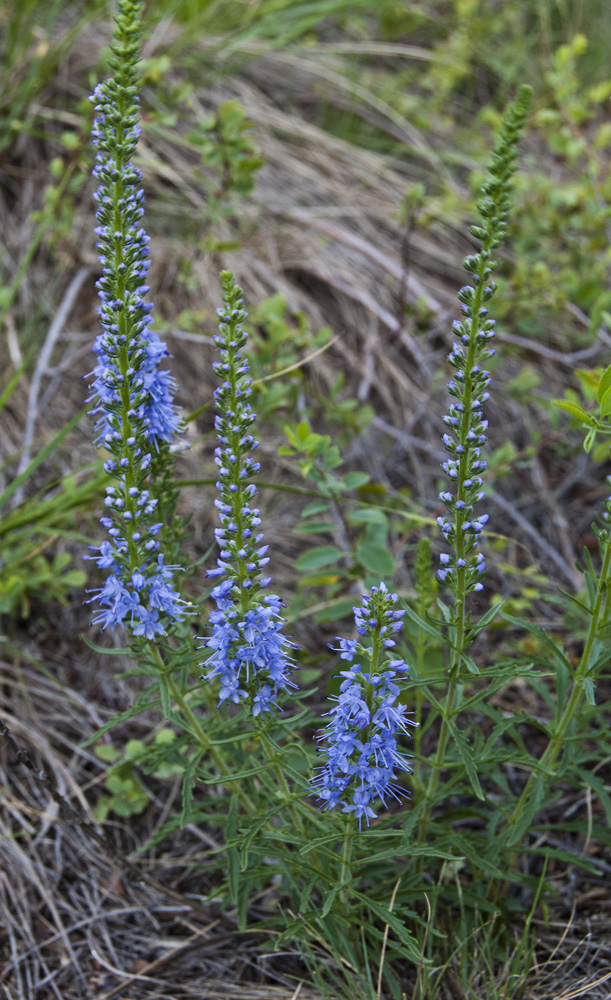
x,y
346,872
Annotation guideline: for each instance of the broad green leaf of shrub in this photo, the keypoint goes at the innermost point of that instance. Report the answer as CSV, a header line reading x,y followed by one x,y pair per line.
x,y
376,559
320,555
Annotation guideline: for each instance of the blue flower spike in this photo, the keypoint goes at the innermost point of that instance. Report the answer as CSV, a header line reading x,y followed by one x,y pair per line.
x,y
360,740
248,651
132,399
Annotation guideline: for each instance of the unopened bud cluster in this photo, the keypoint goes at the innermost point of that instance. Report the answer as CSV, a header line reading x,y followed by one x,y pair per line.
x,y
467,434
463,568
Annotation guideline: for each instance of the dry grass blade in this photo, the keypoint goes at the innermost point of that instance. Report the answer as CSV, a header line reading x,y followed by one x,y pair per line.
x,y
42,365
585,990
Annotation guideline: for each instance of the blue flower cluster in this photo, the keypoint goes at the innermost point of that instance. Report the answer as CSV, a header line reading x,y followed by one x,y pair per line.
x,y
132,397
360,741
249,653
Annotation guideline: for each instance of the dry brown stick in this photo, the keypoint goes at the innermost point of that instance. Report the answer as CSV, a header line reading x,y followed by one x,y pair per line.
x,y
569,360
112,854
44,360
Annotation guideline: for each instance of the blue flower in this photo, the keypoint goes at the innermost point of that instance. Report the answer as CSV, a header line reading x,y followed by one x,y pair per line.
x,y
360,740
248,651
132,398
128,352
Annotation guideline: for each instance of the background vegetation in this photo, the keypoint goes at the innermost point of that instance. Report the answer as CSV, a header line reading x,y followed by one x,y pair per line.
x,y
328,153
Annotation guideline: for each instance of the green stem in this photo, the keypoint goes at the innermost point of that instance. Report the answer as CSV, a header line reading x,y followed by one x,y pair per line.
x,y
418,781
346,872
442,742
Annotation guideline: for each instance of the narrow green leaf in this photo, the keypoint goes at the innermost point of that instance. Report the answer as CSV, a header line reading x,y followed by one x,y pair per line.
x,y
290,435
414,951
485,620
12,384
599,787
315,507
164,691
478,858
118,650
599,662
426,626
589,440
312,845
306,894
516,833
588,689
237,777
467,759
470,663
578,606
130,713
330,899
234,739
558,655
254,831
188,780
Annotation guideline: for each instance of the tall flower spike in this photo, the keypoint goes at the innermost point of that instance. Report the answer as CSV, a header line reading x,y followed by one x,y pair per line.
x,y
248,651
360,740
463,569
131,397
